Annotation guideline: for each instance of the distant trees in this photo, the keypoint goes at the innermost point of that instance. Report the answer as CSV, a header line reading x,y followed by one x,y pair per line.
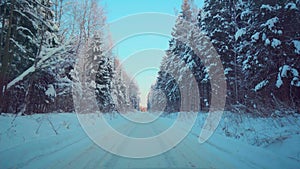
x,y
125,90
133,93
120,89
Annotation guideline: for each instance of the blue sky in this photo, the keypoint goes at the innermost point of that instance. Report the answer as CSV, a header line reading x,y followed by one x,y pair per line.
x,y
119,8
141,46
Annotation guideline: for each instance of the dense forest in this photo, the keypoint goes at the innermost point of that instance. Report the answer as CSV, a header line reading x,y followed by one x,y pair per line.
x,y
258,43
40,43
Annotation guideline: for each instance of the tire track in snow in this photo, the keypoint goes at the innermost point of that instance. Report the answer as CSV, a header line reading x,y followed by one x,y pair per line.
x,y
182,149
92,151
110,160
24,164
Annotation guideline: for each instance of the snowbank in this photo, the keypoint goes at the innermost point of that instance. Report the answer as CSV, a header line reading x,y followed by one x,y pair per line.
x,y
279,135
23,129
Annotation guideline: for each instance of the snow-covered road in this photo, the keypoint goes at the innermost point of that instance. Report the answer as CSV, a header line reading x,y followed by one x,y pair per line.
x,y
74,149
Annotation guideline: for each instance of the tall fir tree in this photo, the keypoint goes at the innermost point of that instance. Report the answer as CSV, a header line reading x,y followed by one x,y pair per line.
x,y
27,27
271,54
104,75
219,24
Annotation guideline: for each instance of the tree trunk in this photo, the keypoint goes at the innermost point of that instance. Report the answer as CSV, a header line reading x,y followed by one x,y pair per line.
x,y
5,60
27,109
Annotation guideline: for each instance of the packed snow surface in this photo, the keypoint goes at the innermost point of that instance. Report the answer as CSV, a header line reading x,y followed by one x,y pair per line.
x,y
58,141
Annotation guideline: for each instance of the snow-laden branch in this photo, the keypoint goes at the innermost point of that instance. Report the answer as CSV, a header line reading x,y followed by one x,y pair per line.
x,y
38,65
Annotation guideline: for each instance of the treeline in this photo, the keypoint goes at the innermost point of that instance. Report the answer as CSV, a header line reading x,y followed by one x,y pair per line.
x,y
258,43
40,43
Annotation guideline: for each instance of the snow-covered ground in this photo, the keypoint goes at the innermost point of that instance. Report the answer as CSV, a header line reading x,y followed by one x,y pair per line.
x,y
280,135
58,141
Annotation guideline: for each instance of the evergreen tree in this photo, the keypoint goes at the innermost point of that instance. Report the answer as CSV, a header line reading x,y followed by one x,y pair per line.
x,y
181,65
104,75
258,47
27,27
119,90
271,55
220,24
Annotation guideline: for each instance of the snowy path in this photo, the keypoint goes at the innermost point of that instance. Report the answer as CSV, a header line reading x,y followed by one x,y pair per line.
x,y
75,150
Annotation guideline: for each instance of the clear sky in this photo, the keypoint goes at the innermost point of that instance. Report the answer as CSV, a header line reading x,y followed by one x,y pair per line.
x,y
119,8
142,46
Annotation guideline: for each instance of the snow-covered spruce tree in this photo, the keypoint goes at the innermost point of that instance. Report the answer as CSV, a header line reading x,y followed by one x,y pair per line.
x,y
176,55
60,65
92,76
153,100
160,86
219,22
177,62
119,88
271,59
41,91
168,85
258,47
192,55
204,65
104,76
26,28
156,100
180,59
133,92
